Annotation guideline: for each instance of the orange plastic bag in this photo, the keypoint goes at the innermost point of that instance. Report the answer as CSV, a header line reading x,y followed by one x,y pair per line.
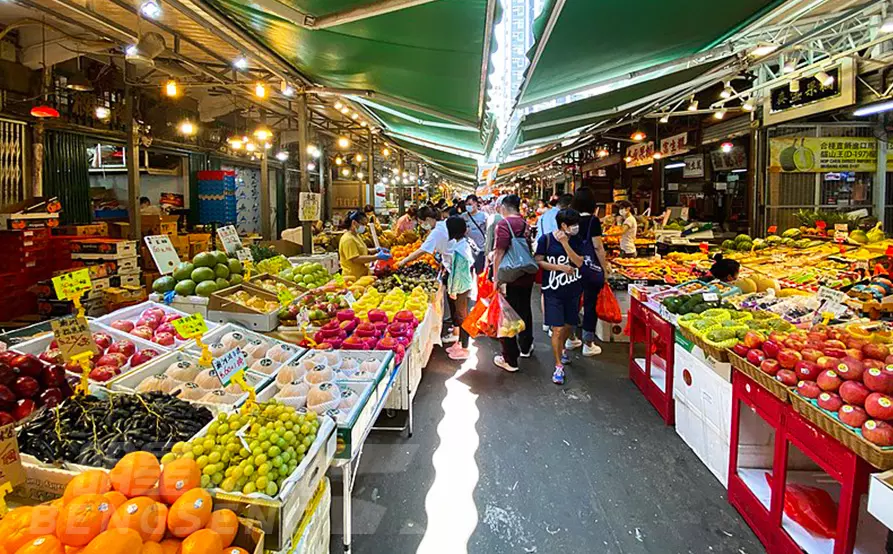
x,y
470,324
485,286
607,307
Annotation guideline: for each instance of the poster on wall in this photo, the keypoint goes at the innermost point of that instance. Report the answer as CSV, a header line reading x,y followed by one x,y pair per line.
x,y
694,166
818,155
727,161
309,205
640,154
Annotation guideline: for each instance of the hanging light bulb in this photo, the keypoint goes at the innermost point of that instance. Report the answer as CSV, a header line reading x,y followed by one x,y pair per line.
x,y
311,166
360,175
693,105
726,147
363,123
386,152
131,51
657,155
171,89
102,112
354,115
338,160
260,90
727,91
187,128
628,159
240,63
665,118
150,9
603,153
267,146
358,158
825,79
251,147
345,172
719,114
638,136
236,143
262,133
338,105
282,155
345,110
343,142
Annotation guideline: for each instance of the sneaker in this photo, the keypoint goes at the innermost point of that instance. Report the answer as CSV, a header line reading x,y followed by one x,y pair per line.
x,y
459,353
546,328
558,375
591,350
449,337
572,343
499,361
565,359
451,349
527,354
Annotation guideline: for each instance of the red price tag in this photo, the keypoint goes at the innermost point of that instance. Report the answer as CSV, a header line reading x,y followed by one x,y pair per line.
x,y
705,248
821,225
773,229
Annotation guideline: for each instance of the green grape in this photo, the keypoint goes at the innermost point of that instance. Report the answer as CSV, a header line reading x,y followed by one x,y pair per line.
x,y
277,461
237,472
198,450
265,445
257,452
217,478
302,448
284,417
214,457
221,417
289,424
255,428
228,484
290,436
206,481
305,429
261,483
168,458
248,488
259,459
189,455
212,429
272,489
202,462
240,482
308,441
274,438
285,457
208,444
311,416
179,448
282,444
264,468
248,470
253,444
229,472
300,458
235,426
274,451
233,447
244,453
263,436
209,470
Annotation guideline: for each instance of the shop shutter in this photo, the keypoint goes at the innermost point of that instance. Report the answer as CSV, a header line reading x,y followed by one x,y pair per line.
x,y
65,167
736,127
12,161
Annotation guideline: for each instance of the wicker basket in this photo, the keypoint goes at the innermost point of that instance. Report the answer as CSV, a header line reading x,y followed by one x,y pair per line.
x,y
871,453
717,354
776,388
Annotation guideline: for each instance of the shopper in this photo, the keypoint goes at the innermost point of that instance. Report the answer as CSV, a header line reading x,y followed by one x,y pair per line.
x,y
559,254
517,293
492,220
546,222
352,252
461,285
630,228
406,222
596,259
369,210
146,207
725,270
476,222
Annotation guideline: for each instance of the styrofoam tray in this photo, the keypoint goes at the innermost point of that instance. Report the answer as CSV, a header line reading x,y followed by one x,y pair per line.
x,y
384,357
214,336
132,313
363,389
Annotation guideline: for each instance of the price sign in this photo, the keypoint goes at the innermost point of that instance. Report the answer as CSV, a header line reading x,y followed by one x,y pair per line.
x,y
711,297
350,299
285,296
190,326
227,366
163,253
229,237
12,474
72,285
73,337
705,248
244,255
841,231
837,296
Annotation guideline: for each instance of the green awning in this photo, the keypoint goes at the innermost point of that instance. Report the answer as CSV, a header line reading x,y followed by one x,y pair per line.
x,y
400,121
564,119
595,41
458,167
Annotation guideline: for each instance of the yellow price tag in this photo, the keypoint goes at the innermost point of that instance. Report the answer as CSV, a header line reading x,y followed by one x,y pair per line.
x,y
5,489
83,359
248,266
826,317
190,326
70,286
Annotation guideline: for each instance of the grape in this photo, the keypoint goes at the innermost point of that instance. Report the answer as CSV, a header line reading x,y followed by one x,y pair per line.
x,y
179,448
168,458
289,436
189,455
305,429
261,483
276,461
272,489
282,444
248,488
265,445
308,441
212,429
202,462
209,470
217,478
285,456
206,481
259,459
237,472
214,457
198,450
248,470
228,484
301,449
274,451
264,468
234,426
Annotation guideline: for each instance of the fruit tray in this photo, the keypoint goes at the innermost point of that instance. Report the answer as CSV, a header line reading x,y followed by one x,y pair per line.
x,y
131,382
223,310
776,388
279,516
877,456
347,371
220,341
132,314
717,354
355,395
40,344
253,283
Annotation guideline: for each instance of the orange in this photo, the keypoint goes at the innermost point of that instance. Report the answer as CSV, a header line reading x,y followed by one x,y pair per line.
x,y
177,478
115,541
226,523
151,547
161,527
115,499
140,514
83,519
135,474
46,544
14,520
204,541
37,522
171,546
73,549
235,550
190,513
94,481
43,519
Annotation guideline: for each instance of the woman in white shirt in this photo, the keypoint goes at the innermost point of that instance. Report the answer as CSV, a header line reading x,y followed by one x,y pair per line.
x,y
630,227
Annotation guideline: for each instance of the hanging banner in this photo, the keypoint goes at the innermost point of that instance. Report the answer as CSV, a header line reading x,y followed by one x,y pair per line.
x,y
812,96
694,166
727,161
672,146
640,154
818,155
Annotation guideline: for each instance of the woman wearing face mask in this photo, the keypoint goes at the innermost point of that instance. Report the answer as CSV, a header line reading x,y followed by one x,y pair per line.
x,y
630,227
559,255
352,252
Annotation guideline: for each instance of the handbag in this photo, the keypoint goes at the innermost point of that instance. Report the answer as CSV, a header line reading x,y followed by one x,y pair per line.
x,y
592,272
517,261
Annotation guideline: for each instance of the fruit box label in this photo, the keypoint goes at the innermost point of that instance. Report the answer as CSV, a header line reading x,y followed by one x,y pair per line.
x,y
227,366
73,337
72,285
191,325
11,470
163,252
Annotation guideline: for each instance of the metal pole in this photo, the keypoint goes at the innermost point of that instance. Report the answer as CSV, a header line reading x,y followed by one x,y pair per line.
x,y
370,167
265,226
879,190
401,191
303,136
321,162
132,155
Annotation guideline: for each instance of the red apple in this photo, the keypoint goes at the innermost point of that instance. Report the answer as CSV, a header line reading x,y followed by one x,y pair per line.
x,y
811,354
817,334
123,325
834,344
830,401
103,373
771,348
854,353
164,339
809,389
171,317
143,332
120,360
50,397
148,321
26,364
834,352
52,376
754,339
778,336
853,342
854,416
157,313
889,360
73,367
755,356
7,374
787,377
854,392
52,356
123,346
794,344
879,406
6,419
143,356
878,380
7,399
23,409
788,358
837,334
165,328
806,370
102,340
869,363
829,381
878,432
875,351
740,349
850,369
770,366
827,362
26,387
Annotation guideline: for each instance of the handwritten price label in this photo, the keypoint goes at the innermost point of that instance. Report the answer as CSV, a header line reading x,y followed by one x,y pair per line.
x,y
72,285
349,298
73,337
228,366
163,253
244,255
229,237
191,325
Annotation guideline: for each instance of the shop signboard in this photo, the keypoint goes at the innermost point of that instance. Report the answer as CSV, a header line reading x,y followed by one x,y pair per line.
x,y
822,154
812,97
675,145
310,204
727,161
640,154
694,166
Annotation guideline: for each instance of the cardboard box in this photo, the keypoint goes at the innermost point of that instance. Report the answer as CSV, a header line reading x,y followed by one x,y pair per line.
x,y
181,245
91,230
127,280
113,248
198,242
123,295
159,224
223,310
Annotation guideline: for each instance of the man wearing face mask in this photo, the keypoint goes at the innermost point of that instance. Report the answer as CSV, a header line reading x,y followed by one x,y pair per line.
x,y
630,228
476,222
559,255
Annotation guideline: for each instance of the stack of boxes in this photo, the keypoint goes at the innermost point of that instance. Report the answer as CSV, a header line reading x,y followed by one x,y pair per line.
x,y
27,258
217,197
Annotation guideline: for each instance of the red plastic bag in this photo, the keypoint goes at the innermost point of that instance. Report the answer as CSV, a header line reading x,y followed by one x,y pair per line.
x,y
485,286
812,508
510,323
607,307
470,323
489,324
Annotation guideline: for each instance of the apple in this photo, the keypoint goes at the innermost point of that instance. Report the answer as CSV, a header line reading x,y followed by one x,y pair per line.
x,y
6,356
51,356
830,401
143,356
788,358
854,353
834,344
170,317
811,354
50,397
814,344
7,398
787,377
817,334
754,356
869,363
850,369
854,392
148,321
123,325
157,313
837,334
754,339
878,380
794,344
6,419
7,374
102,340
806,370
809,389
778,336
165,328
771,348
740,349
103,373
856,343
827,362
889,360
52,376
23,409
878,432
829,381
123,346
875,351
164,339
26,387
119,357
26,364
879,406
770,366
834,352
854,416
143,332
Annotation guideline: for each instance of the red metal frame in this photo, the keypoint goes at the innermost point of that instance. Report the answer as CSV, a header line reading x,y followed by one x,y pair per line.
x,y
648,328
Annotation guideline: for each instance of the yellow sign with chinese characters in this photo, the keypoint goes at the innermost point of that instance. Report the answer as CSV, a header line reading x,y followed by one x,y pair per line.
x,y
190,326
823,154
72,285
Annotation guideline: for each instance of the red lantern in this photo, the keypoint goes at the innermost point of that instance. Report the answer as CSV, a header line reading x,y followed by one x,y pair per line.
x,y
44,112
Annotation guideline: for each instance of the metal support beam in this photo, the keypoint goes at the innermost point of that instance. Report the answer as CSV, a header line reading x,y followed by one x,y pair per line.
x,y
265,205
401,188
303,141
879,190
132,157
364,12
370,167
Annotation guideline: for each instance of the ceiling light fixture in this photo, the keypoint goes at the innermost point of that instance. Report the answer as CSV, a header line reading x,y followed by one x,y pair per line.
x,y
102,112
657,155
874,108
727,91
131,51
260,90
719,114
338,160
343,142
693,105
151,9
240,63
675,165
603,153
360,175
236,143
665,118
386,152
171,89
345,172
638,136
726,147
282,155
186,128
749,105
262,133
359,158
311,166
825,79
628,159
338,105
286,89
251,147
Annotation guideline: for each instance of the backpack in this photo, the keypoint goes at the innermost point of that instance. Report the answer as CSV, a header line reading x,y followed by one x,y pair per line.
x,y
591,270
518,261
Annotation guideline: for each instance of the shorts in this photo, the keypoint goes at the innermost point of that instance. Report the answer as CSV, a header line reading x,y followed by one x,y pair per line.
x,y
561,310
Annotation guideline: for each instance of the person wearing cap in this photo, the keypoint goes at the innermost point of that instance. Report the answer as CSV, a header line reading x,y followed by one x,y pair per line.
x,y
353,255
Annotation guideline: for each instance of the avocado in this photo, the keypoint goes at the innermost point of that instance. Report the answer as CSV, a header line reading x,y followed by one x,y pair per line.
x,y
235,266
164,284
206,288
221,283
220,256
235,279
183,271
204,259
700,308
221,271
200,274
186,287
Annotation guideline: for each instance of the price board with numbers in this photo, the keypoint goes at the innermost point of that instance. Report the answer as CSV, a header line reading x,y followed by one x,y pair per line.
x,y
244,255
73,336
229,237
190,326
163,253
72,285
226,367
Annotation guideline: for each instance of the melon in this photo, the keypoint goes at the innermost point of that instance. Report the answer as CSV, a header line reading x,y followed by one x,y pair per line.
x,y
204,259
200,274
183,271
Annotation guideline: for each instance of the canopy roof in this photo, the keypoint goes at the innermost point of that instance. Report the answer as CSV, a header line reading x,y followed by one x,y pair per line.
x,y
460,168
581,43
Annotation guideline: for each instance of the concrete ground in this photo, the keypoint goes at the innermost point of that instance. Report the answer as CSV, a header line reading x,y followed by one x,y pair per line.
x,y
510,463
